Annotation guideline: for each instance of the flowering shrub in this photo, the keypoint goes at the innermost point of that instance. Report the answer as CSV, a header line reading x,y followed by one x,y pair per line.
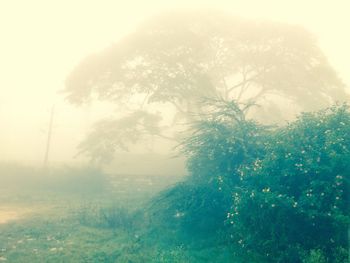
x,y
296,198
277,194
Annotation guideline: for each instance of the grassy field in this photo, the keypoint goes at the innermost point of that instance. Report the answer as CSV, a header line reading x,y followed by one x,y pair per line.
x,y
82,215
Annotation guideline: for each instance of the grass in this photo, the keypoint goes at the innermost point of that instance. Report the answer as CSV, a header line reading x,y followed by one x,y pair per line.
x,y
61,221
82,215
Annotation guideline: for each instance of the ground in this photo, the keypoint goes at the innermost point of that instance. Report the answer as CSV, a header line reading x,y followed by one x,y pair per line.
x,y
82,215
38,224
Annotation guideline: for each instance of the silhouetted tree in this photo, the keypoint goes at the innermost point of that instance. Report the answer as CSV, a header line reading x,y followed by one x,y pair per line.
x,y
178,58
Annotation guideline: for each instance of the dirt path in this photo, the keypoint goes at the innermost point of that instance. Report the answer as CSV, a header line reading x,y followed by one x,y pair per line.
x,y
10,213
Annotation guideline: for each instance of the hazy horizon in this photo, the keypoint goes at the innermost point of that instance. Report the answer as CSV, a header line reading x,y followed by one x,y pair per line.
x,y
43,41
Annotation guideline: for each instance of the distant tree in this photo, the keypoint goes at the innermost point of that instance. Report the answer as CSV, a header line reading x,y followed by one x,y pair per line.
x,y
178,58
110,134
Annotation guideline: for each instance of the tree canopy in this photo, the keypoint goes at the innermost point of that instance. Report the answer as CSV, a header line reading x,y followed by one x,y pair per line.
x,y
179,58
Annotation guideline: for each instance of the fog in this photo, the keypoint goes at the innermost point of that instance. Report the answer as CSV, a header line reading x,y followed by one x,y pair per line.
x,y
42,42
175,131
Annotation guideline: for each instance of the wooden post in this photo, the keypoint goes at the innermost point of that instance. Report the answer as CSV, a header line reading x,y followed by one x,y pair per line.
x,y
49,135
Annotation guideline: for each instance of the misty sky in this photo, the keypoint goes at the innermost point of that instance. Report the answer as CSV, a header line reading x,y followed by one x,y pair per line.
x,y
42,41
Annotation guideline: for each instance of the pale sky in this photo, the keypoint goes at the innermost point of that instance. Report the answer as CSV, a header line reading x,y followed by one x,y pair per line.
x,y
42,41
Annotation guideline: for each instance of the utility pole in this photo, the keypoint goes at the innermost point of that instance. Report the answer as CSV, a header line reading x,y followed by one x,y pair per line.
x,y
49,135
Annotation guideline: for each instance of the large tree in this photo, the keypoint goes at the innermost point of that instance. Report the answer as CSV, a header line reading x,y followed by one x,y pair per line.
x,y
181,57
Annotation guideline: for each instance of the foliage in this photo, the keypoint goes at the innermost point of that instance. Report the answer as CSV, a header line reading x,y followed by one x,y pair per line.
x,y
111,216
113,134
221,142
178,58
173,60
316,256
283,192
298,190
72,229
189,212
216,147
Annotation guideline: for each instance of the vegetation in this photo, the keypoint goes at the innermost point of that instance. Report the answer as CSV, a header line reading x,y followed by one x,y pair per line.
x,y
175,60
255,192
298,190
65,216
283,192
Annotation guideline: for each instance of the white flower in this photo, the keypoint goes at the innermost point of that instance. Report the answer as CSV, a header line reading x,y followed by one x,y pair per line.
x,y
266,190
179,214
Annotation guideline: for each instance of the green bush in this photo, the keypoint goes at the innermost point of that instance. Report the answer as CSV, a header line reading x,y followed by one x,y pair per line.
x,y
315,256
106,216
296,198
283,193
216,147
